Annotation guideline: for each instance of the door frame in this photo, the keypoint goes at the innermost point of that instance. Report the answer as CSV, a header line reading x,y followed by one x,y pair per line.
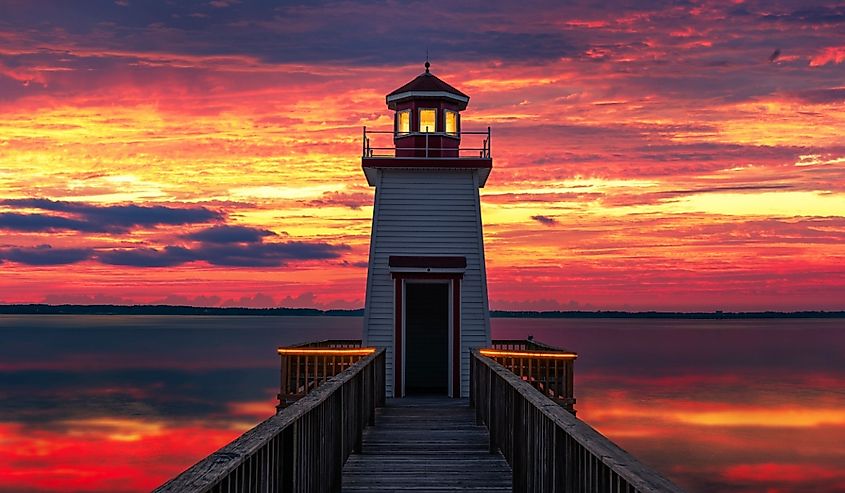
x,y
453,279
449,328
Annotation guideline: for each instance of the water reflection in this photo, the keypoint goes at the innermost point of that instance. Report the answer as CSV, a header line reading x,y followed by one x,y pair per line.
x,y
745,406
124,403
118,404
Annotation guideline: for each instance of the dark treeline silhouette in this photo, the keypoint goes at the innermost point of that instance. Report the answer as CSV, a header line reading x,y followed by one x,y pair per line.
x,y
43,309
689,315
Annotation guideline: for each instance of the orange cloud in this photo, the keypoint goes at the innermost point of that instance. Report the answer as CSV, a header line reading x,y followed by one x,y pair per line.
x,y
830,54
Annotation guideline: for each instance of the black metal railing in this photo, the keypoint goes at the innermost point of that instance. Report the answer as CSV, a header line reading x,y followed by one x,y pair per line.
x,y
483,150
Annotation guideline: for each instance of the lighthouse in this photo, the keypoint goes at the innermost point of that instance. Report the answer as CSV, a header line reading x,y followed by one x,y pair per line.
x,y
426,298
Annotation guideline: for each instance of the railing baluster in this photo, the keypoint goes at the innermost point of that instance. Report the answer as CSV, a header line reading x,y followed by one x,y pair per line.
x,y
298,374
316,370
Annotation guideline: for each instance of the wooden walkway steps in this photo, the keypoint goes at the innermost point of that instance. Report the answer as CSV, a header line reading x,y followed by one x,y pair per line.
x,y
426,444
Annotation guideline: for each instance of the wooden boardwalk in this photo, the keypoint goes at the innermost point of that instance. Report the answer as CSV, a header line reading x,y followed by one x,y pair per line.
x,y
321,442
426,444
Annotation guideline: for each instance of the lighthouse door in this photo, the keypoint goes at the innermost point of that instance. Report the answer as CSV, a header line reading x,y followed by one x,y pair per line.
x,y
427,338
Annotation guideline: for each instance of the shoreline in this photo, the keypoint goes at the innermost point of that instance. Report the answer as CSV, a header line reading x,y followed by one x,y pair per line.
x,y
44,309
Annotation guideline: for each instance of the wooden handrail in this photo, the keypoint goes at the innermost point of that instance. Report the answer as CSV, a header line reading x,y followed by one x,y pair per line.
x,y
302,448
547,368
330,343
524,344
304,367
549,449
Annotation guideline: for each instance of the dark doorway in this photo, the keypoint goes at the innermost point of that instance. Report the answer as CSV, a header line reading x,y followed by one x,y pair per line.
x,y
427,338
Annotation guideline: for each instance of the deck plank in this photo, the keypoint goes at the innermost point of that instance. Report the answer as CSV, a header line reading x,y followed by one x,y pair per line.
x,y
426,445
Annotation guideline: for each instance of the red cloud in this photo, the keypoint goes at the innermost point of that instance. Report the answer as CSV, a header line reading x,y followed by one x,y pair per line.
x,y
831,54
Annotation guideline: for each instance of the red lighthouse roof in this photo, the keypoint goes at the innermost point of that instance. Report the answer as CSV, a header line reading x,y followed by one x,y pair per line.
x,y
429,86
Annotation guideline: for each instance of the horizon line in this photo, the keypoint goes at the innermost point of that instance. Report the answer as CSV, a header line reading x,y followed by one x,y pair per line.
x,y
165,309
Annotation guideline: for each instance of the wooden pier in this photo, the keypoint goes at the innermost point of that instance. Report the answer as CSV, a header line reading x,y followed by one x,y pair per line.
x,y
336,431
426,444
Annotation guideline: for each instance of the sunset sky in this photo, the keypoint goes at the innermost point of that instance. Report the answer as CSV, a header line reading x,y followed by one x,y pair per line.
x,y
647,155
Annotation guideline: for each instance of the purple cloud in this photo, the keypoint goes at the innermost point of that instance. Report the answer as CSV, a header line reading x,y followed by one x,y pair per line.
x,y
99,218
44,223
231,234
230,255
148,257
268,254
45,255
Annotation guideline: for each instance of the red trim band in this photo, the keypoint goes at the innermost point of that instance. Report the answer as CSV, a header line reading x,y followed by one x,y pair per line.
x,y
427,275
423,262
427,162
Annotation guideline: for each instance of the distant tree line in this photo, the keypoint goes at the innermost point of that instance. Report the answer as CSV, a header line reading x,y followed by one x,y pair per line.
x,y
653,314
43,309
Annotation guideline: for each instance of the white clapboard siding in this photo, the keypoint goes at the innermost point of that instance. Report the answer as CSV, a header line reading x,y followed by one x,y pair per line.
x,y
427,212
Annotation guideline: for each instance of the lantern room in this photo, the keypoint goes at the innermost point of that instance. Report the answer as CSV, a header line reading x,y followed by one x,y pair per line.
x,y
427,117
427,132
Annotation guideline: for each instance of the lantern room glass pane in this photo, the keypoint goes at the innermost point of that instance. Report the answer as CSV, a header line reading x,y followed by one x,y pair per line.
x,y
403,121
428,117
451,122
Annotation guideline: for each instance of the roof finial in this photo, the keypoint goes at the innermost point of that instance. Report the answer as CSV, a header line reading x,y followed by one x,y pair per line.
x,y
427,63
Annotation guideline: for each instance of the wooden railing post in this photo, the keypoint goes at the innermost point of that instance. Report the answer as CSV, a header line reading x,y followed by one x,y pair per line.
x,y
373,397
283,386
471,385
492,425
475,386
360,402
382,379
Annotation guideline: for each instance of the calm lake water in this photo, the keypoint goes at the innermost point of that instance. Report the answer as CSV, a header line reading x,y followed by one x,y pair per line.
x,y
122,403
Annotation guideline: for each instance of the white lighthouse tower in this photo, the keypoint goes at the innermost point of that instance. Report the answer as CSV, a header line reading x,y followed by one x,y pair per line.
x,y
426,284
